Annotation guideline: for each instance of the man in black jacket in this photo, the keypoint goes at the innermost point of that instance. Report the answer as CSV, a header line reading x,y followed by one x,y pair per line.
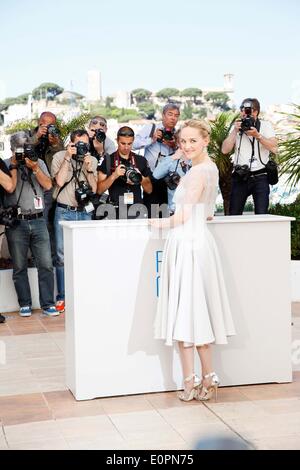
x,y
6,184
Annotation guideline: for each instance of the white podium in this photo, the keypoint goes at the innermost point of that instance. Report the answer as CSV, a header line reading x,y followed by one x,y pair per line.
x,y
112,273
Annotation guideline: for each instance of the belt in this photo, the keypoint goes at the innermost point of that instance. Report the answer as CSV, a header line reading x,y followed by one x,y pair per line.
x,y
262,171
30,216
70,208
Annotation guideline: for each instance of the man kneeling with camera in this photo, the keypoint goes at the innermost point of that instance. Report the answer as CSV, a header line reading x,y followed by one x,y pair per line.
x,y
26,226
75,173
253,139
124,174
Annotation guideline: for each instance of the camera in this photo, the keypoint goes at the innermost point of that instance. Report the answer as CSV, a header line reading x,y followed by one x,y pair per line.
x,y
167,134
132,175
84,194
53,130
27,151
82,149
248,121
172,180
8,216
100,135
242,171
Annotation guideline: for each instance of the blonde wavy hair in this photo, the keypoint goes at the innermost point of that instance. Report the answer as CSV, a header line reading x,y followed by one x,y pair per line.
x,y
202,126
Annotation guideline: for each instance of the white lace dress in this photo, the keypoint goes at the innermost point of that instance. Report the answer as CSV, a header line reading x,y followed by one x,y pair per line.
x,y
193,305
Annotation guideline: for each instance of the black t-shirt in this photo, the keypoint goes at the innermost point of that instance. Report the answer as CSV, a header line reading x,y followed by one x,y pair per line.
x,y
4,168
119,186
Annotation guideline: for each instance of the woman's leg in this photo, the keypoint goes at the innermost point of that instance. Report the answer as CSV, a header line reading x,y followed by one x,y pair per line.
x,y
187,363
205,355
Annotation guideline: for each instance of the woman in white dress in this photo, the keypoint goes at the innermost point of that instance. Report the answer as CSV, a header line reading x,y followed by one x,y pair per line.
x,y
193,307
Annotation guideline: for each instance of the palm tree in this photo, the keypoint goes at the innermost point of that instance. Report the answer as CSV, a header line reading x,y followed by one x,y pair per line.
x,y
219,131
289,153
65,128
79,122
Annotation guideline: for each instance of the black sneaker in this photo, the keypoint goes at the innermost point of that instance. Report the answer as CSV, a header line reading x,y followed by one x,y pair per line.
x,y
2,318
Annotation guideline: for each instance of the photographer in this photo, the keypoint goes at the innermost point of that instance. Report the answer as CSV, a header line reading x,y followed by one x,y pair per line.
x,y
47,142
159,141
6,185
253,139
171,169
124,174
75,173
46,138
100,144
28,229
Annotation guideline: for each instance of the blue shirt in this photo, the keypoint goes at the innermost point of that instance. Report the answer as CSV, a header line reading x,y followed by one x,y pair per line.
x,y
152,149
166,165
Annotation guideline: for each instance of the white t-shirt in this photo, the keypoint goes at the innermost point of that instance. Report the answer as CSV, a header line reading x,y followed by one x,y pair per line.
x,y
243,148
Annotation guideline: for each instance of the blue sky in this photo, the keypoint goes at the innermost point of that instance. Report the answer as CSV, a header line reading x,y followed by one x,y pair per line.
x,y
152,45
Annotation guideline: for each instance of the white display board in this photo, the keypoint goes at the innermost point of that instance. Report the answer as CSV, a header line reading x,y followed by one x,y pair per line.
x,y
112,273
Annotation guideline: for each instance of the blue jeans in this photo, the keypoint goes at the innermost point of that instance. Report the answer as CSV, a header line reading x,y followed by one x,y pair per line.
x,y
69,215
257,186
31,234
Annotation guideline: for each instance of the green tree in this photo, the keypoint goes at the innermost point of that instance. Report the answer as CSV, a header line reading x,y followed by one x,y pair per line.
x,y
141,94
21,99
219,131
218,100
47,91
201,113
289,153
147,110
191,93
167,93
108,101
187,112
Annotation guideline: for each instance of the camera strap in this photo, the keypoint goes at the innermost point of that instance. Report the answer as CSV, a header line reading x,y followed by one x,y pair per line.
x,y
17,205
252,142
31,182
63,187
117,160
76,172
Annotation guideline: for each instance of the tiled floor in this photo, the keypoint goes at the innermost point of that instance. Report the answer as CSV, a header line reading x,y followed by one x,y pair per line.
x,y
38,412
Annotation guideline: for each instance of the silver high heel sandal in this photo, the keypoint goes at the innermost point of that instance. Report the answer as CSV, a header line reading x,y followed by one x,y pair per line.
x,y
188,396
205,393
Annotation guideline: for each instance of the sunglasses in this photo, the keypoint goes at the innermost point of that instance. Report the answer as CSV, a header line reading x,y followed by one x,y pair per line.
x,y
96,121
126,134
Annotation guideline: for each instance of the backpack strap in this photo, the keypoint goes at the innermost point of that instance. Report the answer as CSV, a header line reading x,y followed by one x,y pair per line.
x,y
152,130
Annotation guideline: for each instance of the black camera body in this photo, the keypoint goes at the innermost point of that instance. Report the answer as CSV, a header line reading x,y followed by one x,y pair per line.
x,y
27,151
172,180
246,124
242,171
82,148
52,130
167,134
9,216
131,174
100,135
248,121
84,194
43,144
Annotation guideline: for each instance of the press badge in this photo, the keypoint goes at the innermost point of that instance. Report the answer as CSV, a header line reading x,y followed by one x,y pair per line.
x,y
38,202
89,207
128,198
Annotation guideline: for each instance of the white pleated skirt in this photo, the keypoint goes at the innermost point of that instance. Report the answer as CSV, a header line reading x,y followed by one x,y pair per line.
x,y
193,305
